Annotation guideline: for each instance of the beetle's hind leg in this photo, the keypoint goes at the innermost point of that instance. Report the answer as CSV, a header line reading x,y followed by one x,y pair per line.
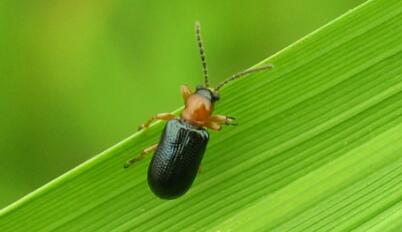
x,y
141,156
161,116
200,169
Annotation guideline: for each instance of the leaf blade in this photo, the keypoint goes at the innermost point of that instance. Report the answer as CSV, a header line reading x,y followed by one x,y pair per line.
x,y
331,93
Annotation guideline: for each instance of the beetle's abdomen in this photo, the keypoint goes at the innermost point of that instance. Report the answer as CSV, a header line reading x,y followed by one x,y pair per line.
x,y
175,163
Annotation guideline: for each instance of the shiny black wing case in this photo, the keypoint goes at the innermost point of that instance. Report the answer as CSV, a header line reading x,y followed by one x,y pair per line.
x,y
175,163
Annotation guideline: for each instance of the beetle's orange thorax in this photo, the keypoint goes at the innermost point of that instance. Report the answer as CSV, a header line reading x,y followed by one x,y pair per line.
x,y
197,111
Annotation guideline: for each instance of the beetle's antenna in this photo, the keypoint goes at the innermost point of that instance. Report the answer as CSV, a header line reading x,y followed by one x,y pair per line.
x,y
202,52
242,74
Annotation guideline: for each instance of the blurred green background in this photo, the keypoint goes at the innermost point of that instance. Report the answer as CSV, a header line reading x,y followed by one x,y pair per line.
x,y
77,77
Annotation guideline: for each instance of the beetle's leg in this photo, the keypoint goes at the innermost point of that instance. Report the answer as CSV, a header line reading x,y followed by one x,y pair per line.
x,y
141,156
213,125
162,116
221,119
185,92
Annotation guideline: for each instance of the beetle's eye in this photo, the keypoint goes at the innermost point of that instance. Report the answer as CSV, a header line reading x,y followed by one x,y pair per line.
x,y
216,96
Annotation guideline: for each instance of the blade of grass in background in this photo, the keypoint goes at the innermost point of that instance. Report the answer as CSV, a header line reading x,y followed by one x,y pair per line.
x,y
318,147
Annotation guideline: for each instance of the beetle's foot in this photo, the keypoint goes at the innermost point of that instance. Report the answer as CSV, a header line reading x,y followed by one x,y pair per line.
x,y
141,127
128,164
131,162
230,121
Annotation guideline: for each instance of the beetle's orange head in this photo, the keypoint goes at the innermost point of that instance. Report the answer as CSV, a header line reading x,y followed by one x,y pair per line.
x,y
199,106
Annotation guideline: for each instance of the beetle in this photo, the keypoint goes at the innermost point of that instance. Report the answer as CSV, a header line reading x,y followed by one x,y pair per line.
x,y
181,147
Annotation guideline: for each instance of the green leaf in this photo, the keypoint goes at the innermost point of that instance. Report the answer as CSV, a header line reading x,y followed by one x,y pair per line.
x,y
318,148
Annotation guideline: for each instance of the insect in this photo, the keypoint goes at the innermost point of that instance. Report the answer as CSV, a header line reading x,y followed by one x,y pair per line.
x,y
182,144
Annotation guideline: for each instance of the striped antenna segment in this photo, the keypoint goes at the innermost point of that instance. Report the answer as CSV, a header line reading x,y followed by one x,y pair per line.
x,y
202,52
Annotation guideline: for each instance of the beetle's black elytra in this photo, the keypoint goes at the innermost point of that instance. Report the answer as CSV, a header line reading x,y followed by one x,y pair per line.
x,y
183,142
175,164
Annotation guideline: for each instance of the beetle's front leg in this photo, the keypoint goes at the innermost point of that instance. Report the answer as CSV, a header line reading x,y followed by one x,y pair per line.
x,y
141,156
162,116
213,125
222,119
